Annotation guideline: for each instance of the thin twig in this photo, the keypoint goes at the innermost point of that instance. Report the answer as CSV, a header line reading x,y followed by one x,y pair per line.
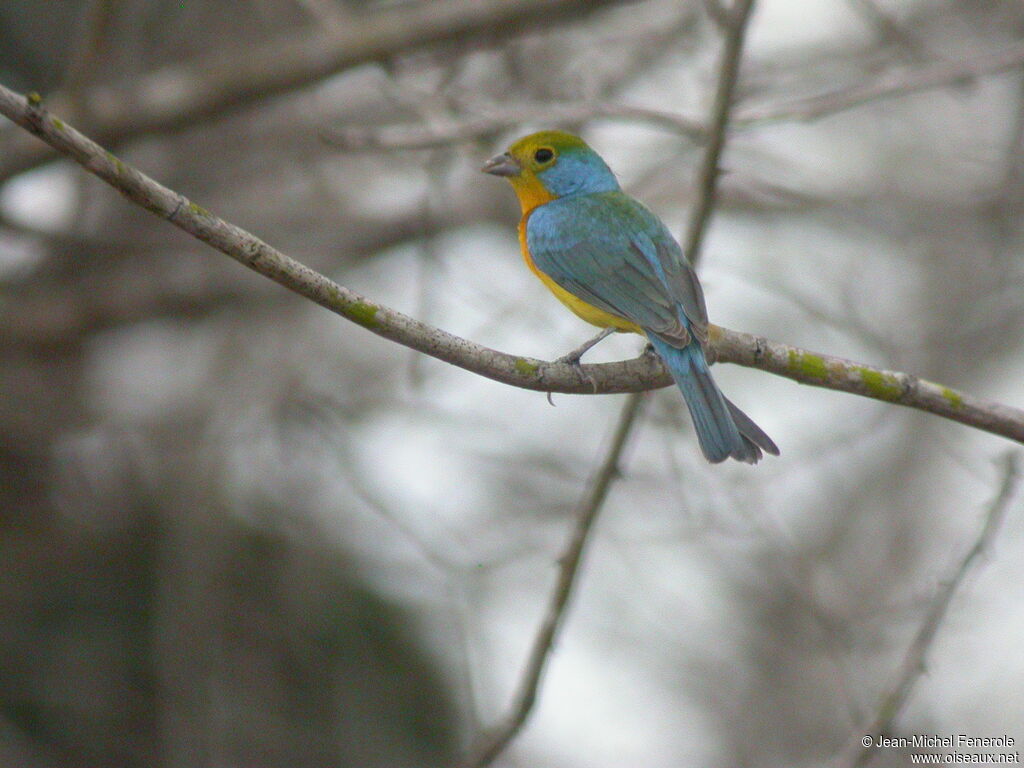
x,y
120,116
176,97
707,176
890,30
483,121
893,83
890,84
718,13
1012,170
913,664
407,136
86,55
642,373
497,738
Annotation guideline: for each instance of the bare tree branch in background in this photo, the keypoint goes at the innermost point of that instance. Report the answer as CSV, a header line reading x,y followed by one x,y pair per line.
x,y
718,13
892,84
895,83
95,28
888,29
707,175
913,664
494,741
630,376
230,82
500,118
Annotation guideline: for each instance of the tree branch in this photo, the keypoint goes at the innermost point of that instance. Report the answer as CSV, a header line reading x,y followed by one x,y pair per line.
x,y
868,381
913,662
707,176
498,118
644,372
175,98
891,84
497,738
889,30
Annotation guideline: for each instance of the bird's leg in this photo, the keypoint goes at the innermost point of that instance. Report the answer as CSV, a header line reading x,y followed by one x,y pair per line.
x,y
573,358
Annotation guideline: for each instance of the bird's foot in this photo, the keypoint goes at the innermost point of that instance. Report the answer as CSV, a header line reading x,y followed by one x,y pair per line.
x,y
573,357
573,361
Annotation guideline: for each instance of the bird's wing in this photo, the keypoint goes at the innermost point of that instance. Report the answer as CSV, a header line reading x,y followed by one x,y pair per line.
x,y
610,251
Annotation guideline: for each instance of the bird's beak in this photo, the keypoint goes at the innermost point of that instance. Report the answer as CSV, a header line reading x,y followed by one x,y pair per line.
x,y
502,165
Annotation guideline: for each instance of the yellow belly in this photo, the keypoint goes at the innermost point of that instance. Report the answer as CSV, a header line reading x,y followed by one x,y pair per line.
x,y
590,313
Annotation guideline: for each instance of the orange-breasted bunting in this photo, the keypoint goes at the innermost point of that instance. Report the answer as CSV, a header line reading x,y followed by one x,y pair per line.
x,y
616,265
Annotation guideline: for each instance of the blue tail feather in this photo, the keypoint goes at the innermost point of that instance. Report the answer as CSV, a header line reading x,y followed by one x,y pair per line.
x,y
723,430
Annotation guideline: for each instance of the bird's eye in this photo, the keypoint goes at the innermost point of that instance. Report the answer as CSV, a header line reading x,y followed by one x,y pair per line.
x,y
543,155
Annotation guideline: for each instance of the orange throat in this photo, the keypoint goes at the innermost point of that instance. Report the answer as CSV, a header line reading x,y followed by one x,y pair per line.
x,y
531,192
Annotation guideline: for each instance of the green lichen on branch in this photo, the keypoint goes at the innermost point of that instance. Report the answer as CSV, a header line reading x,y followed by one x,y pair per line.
x,y
198,210
525,367
363,313
116,162
953,397
807,365
882,386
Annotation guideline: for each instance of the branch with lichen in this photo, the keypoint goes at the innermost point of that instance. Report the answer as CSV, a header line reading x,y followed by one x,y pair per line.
x,y
642,373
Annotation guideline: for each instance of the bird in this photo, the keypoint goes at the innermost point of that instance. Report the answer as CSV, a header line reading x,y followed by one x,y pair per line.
x,y
615,264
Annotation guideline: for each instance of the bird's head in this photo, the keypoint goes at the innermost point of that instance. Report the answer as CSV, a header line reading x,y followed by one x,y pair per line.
x,y
551,164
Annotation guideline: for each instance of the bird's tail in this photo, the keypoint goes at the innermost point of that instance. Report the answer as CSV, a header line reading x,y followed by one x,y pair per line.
x,y
723,430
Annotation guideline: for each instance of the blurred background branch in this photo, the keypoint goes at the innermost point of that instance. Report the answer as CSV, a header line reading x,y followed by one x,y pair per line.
x,y
734,30
913,664
497,738
233,531
172,99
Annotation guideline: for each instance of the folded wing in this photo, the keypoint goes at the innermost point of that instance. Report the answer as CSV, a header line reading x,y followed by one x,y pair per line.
x,y
612,252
